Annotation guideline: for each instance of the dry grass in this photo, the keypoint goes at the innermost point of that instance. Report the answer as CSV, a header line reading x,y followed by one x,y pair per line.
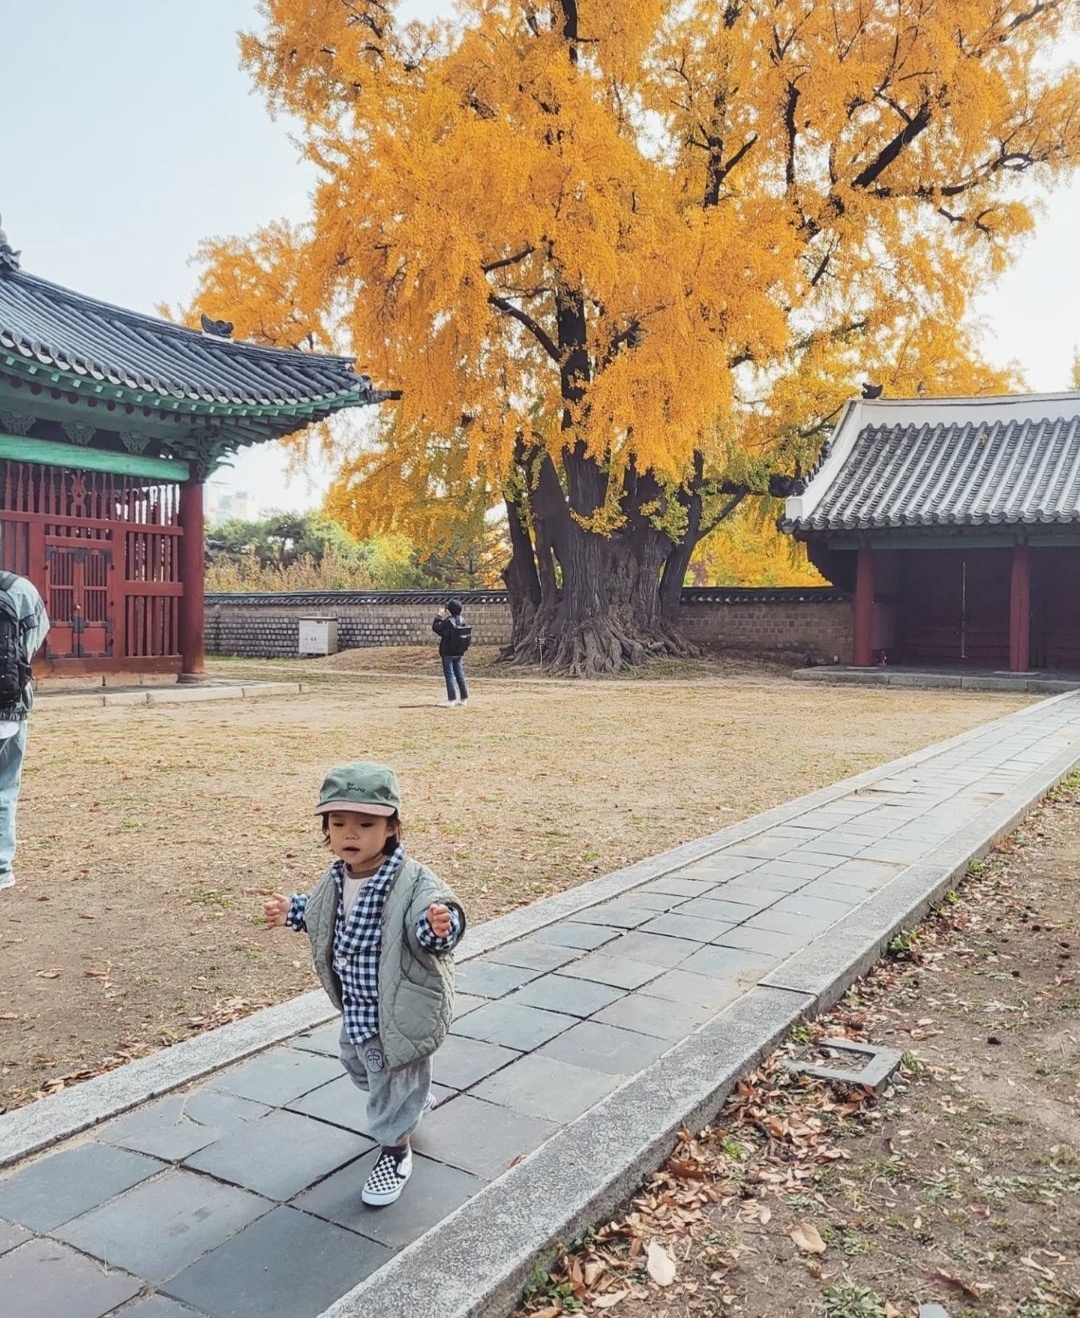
x,y
147,834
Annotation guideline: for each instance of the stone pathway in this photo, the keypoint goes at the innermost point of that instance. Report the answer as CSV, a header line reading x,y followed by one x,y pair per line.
x,y
238,1196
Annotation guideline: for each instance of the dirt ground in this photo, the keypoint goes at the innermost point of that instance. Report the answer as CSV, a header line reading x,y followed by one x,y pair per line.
x,y
959,1186
147,834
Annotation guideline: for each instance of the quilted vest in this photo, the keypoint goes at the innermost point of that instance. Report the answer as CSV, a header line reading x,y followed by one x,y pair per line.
x,y
416,987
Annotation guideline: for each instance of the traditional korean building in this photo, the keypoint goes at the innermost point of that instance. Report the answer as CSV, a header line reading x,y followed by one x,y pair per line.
x,y
110,423
956,524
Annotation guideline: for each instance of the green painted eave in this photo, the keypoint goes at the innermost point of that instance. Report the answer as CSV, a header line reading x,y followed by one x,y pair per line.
x,y
85,387
21,449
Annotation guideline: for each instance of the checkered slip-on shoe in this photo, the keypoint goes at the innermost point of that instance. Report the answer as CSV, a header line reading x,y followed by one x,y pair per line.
x,y
387,1179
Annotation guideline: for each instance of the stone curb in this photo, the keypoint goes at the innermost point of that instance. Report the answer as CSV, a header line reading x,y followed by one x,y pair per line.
x,y
170,695
1048,686
49,1120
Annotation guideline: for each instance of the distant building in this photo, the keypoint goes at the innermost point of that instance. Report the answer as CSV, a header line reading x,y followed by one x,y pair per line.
x,y
110,424
224,505
956,523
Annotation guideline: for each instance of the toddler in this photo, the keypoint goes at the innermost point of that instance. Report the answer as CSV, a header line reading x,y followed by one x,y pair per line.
x,y
382,929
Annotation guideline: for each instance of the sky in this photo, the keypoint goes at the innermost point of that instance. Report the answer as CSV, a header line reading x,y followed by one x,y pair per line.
x,y
132,134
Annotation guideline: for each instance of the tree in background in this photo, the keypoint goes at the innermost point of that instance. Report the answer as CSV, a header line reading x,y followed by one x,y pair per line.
x,y
624,262
281,539
746,549
309,551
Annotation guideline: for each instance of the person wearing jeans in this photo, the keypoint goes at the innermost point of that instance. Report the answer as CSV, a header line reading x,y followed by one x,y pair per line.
x,y
454,673
33,625
454,636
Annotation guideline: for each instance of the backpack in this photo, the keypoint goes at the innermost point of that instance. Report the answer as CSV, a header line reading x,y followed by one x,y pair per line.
x,y
14,661
458,637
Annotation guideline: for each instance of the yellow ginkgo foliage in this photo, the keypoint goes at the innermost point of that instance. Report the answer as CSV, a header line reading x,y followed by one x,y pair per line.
x,y
625,261
746,549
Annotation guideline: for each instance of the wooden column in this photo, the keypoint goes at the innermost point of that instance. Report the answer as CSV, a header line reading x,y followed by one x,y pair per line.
x,y
1020,610
192,608
864,609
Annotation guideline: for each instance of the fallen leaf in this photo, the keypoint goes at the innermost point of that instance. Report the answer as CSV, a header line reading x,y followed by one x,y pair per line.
x,y
948,1280
659,1264
552,1311
807,1237
689,1171
891,1311
47,974
610,1300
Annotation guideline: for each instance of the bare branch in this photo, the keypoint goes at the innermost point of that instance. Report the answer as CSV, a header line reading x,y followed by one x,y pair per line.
x,y
507,260
534,327
893,150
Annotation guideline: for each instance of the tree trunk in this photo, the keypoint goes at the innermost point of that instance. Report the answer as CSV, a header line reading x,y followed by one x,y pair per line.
x,y
599,607
603,612
521,579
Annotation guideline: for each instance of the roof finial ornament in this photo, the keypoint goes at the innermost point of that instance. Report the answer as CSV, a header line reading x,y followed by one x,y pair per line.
x,y
9,259
872,390
220,329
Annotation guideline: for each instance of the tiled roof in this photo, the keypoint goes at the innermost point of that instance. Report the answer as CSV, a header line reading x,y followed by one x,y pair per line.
x,y
969,462
42,322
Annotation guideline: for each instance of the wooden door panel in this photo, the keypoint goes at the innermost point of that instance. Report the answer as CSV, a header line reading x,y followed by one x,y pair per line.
x,y
78,592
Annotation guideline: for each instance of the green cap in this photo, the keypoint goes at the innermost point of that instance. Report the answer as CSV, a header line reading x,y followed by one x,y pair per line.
x,y
370,789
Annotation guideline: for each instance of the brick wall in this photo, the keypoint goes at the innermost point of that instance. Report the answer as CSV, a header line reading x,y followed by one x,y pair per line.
x,y
818,627
809,623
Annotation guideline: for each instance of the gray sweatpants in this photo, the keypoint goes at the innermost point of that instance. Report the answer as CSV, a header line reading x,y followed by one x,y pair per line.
x,y
395,1098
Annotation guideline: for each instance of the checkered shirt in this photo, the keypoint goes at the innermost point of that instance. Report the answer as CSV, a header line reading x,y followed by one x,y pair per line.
x,y
358,942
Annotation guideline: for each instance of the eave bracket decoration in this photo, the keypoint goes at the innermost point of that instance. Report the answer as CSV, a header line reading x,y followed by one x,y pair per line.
x,y
16,423
79,432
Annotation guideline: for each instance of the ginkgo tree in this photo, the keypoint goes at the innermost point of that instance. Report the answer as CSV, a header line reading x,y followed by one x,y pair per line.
x,y
621,263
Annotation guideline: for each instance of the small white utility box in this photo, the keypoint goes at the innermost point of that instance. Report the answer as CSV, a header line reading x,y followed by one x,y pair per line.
x,y
318,636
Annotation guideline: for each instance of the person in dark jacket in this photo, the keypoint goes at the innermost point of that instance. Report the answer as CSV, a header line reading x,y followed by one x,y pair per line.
x,y
454,635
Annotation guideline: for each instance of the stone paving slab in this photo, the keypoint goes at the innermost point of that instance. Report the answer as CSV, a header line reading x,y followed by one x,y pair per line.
x,y
590,1027
440,1189
43,1279
287,1264
160,1226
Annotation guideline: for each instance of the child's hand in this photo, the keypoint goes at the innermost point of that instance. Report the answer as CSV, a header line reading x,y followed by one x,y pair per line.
x,y
275,909
440,919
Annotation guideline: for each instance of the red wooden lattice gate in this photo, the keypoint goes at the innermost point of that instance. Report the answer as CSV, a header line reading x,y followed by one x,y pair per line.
x,y
104,550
